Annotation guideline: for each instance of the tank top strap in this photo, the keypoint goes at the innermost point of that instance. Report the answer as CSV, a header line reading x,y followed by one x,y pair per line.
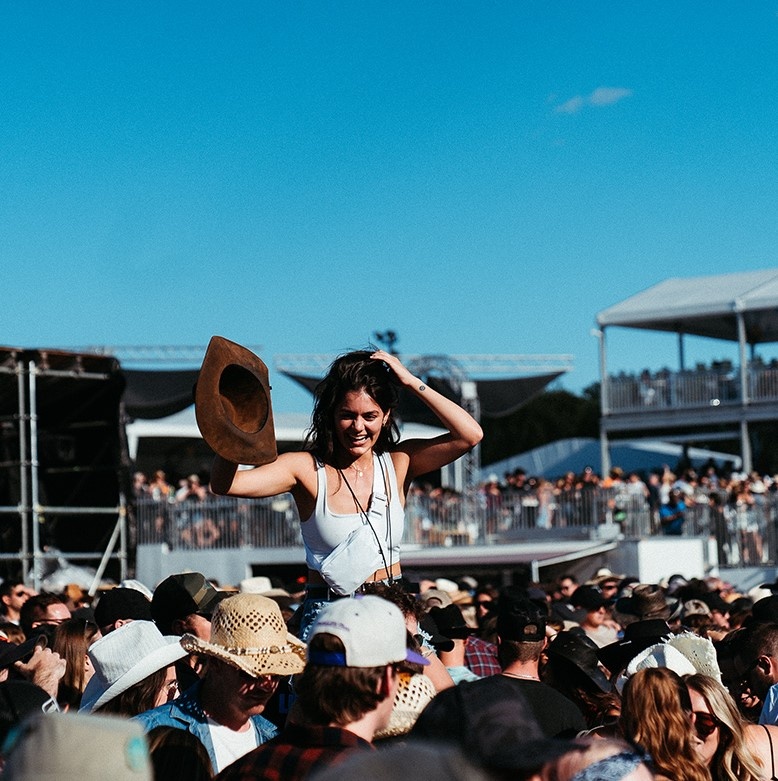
x,y
321,488
388,475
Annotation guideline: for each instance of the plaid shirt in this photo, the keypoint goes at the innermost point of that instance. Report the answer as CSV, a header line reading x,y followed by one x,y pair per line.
x,y
296,753
481,657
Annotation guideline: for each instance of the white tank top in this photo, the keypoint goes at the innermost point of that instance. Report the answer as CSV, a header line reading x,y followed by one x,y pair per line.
x,y
324,530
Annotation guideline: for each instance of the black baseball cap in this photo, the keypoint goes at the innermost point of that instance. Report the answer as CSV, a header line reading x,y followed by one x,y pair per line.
x,y
122,603
178,596
589,598
518,618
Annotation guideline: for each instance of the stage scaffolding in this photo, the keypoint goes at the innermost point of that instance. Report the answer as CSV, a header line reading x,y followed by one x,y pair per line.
x,y
34,375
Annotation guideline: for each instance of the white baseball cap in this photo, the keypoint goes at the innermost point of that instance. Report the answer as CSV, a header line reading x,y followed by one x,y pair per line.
x,y
371,629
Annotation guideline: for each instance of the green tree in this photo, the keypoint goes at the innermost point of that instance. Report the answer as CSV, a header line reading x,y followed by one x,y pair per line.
x,y
550,416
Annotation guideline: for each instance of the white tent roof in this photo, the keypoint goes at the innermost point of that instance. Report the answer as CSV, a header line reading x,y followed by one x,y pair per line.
x,y
572,455
704,306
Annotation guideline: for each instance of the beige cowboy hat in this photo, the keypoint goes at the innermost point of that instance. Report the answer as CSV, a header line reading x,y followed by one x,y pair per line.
x,y
248,632
232,404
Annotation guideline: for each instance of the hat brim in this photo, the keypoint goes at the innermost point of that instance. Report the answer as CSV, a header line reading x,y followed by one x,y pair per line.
x,y
99,691
618,655
288,660
232,404
416,658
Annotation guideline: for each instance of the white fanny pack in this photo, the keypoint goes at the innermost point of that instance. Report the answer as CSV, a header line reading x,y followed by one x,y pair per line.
x,y
347,566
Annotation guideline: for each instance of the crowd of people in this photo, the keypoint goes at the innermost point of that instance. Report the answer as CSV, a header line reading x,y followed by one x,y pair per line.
x,y
609,678
737,509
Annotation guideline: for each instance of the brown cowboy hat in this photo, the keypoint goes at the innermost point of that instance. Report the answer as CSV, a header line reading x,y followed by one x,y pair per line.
x,y
232,404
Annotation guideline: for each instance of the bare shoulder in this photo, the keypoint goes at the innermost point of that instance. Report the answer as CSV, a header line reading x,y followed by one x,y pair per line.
x,y
302,465
289,472
401,461
300,461
758,740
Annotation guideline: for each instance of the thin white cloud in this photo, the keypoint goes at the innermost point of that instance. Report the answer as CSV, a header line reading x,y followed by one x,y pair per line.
x,y
605,96
602,96
571,106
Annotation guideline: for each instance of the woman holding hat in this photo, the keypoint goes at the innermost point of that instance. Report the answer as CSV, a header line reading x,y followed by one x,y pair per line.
x,y
350,482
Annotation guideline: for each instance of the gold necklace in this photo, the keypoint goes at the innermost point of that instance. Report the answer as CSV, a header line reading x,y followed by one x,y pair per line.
x,y
357,471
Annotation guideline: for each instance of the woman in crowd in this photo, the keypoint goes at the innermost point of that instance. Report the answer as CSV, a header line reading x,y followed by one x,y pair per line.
x,y
350,486
731,748
656,713
71,641
134,670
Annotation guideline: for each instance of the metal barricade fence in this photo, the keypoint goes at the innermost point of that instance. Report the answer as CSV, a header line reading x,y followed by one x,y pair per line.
x,y
744,536
220,522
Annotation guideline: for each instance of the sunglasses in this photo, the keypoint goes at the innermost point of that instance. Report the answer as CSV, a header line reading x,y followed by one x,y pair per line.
x,y
705,724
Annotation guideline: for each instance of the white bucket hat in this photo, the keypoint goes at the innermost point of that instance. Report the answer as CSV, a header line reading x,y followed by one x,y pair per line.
x,y
125,657
248,632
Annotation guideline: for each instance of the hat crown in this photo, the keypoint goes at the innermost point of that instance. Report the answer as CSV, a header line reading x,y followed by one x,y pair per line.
x,y
248,621
118,652
232,404
371,629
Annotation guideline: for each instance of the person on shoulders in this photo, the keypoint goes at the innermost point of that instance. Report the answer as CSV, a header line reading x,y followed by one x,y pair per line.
x,y
351,481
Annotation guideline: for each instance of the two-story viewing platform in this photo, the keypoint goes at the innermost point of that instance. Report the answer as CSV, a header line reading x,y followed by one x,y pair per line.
x,y
740,308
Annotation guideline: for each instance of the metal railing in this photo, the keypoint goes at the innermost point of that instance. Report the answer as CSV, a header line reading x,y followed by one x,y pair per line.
x,y
744,536
691,389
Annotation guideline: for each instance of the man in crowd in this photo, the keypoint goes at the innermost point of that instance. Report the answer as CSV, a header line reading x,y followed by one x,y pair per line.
x,y
561,608
13,594
183,604
595,622
755,653
248,652
44,613
344,695
672,514
119,606
521,638
32,661
451,624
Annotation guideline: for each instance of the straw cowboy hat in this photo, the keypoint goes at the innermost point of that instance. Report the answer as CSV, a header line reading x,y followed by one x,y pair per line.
x,y
248,632
414,693
125,657
232,404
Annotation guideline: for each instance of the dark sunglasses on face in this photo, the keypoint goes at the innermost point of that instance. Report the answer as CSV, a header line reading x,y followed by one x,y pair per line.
x,y
705,724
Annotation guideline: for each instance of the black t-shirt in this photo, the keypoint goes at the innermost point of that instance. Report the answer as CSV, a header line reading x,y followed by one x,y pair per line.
x,y
516,709
558,716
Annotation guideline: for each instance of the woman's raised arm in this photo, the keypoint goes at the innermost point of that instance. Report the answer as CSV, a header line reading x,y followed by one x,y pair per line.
x,y
426,455
278,477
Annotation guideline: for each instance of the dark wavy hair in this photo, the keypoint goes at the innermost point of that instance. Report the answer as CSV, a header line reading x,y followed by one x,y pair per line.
x,y
354,371
139,698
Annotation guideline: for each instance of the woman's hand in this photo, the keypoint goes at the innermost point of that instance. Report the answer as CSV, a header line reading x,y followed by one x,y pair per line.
x,y
426,455
393,362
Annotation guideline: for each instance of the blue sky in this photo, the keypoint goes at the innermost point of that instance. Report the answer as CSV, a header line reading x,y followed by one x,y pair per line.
x,y
479,177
